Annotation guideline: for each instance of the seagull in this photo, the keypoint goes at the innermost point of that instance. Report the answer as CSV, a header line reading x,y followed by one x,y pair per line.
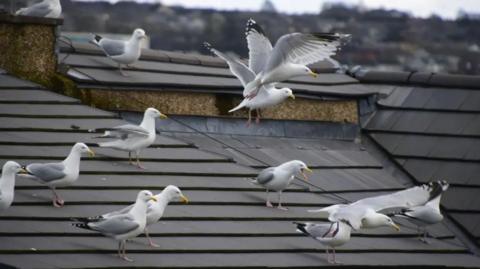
x,y
121,227
425,215
133,138
289,57
155,209
267,96
60,174
46,9
121,52
364,213
7,183
278,178
331,235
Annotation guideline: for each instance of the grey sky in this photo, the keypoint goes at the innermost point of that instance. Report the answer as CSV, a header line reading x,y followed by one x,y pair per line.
x,y
420,8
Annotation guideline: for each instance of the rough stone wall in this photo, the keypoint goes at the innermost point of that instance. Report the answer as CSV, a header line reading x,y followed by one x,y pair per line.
x,y
28,51
208,104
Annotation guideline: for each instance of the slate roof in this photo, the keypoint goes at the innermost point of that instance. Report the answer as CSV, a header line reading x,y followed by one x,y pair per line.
x,y
164,70
429,124
226,224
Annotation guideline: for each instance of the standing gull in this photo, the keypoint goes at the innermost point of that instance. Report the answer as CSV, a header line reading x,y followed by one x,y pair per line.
x,y
278,178
289,57
425,215
364,213
60,174
122,52
155,209
46,8
7,183
268,95
329,234
133,138
121,227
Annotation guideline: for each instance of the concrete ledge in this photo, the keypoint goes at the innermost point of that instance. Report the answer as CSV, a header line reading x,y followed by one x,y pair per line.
x,y
210,104
9,18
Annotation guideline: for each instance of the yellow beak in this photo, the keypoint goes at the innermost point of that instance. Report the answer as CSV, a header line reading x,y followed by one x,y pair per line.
x,y
396,227
313,74
184,199
153,198
91,153
292,96
303,172
163,116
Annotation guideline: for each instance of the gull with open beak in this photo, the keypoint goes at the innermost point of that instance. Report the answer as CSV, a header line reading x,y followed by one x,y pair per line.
x,y
60,174
278,178
155,209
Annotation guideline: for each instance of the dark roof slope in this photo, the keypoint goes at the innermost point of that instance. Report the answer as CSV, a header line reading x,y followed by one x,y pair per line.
x,y
433,132
163,70
226,223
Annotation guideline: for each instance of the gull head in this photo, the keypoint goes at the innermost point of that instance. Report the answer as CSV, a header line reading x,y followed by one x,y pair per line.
x,y
173,193
286,92
146,196
82,148
12,167
139,34
154,113
308,71
300,167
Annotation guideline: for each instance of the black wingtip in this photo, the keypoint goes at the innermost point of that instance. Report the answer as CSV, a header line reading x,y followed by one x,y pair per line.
x,y
97,38
207,45
252,26
436,189
302,227
330,37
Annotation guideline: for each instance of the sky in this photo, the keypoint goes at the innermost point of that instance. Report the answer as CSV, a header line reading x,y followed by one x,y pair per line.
x,y
419,8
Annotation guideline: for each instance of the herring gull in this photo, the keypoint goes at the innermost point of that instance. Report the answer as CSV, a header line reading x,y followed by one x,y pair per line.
x,y
278,178
60,174
121,227
133,138
7,183
121,52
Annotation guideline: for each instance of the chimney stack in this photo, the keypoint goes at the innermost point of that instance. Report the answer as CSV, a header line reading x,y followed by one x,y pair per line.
x,y
28,47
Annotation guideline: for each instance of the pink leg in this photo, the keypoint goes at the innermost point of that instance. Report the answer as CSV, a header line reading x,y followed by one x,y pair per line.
x,y
249,118
138,162
57,201
257,120
124,252
268,204
150,242
280,202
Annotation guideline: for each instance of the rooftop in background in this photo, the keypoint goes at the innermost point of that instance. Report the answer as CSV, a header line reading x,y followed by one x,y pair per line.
x,y
429,124
87,65
226,223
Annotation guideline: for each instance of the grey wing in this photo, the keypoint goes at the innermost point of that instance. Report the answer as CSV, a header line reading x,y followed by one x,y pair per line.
x,y
122,211
239,69
303,49
266,175
259,46
415,196
115,225
125,131
41,9
46,171
322,229
112,47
